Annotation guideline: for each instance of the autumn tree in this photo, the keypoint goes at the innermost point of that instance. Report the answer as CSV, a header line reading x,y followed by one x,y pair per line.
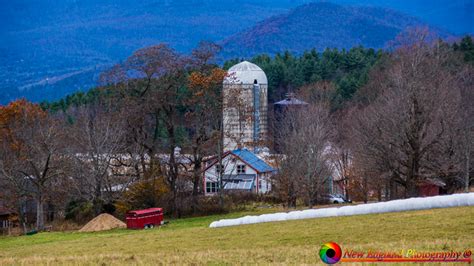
x,y
204,111
32,154
152,85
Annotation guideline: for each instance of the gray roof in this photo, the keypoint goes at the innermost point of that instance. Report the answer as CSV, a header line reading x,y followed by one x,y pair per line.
x,y
291,101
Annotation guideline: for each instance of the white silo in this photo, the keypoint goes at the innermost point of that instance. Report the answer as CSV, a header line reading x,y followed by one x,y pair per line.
x,y
245,107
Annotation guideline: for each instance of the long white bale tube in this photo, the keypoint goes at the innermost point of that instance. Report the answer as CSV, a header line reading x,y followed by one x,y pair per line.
x,y
455,200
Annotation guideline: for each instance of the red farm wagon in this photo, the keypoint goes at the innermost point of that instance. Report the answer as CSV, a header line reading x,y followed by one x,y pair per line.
x,y
143,219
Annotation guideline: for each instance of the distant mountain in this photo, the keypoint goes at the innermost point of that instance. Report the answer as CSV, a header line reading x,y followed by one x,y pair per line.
x,y
320,25
456,16
49,48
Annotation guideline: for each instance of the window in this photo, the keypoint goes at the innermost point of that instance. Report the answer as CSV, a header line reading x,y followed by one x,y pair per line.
x,y
219,168
212,187
241,169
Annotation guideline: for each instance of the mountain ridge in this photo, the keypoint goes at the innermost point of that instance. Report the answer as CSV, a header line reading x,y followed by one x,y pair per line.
x,y
52,48
320,26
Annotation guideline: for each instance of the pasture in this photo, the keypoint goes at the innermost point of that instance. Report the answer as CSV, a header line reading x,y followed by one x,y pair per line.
x,y
191,241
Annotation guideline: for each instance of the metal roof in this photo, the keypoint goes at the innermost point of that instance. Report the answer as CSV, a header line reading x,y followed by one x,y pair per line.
x,y
291,101
239,184
238,177
251,159
245,73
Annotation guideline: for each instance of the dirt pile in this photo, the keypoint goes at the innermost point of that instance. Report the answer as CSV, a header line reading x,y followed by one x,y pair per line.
x,y
103,222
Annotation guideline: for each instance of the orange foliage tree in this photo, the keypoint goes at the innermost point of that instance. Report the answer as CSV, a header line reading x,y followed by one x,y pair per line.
x,y
30,157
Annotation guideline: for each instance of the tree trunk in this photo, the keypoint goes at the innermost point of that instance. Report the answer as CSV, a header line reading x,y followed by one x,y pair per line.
x,y
97,202
345,182
196,184
39,213
291,196
467,177
411,189
366,189
313,199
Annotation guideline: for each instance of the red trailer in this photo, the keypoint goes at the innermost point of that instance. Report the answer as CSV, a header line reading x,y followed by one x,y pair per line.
x,y
143,219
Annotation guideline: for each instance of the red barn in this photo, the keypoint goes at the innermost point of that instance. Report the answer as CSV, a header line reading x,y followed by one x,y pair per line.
x,y
430,187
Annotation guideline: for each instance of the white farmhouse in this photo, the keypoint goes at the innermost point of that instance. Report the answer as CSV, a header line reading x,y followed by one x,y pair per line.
x,y
241,170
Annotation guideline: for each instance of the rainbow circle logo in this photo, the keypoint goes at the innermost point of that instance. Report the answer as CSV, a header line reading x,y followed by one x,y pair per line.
x,y
330,253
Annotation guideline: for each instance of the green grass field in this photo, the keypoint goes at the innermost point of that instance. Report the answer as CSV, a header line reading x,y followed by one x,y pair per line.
x,y
190,241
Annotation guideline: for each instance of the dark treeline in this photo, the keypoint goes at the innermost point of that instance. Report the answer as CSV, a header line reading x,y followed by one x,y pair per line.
x,y
384,122
348,70
286,72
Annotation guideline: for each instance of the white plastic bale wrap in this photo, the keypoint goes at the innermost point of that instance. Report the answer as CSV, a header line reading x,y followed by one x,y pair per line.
x,y
455,200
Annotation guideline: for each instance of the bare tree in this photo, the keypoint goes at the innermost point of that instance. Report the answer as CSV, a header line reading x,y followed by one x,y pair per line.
x,y
98,136
467,124
305,167
404,132
341,153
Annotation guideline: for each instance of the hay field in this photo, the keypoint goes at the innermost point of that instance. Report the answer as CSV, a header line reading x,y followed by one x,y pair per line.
x,y
190,241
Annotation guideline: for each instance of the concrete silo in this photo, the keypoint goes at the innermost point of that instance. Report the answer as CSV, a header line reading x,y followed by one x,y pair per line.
x,y
245,107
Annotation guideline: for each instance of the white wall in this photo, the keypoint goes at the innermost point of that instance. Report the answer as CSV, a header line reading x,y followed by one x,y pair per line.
x,y
230,168
241,96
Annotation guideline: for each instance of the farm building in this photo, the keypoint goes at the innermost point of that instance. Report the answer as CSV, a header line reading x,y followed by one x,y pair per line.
x,y
282,109
241,170
431,187
6,216
245,107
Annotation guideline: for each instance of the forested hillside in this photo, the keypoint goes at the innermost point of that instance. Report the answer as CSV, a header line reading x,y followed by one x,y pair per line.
x,y
455,16
346,70
49,49
52,48
321,25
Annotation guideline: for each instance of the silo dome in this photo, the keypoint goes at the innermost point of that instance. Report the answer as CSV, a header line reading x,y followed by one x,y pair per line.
x,y
246,73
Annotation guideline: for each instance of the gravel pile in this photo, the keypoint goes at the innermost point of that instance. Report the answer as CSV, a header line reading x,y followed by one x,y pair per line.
x,y
103,222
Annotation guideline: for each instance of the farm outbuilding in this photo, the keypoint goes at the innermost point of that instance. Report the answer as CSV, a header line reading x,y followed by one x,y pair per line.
x,y
241,170
6,217
431,187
